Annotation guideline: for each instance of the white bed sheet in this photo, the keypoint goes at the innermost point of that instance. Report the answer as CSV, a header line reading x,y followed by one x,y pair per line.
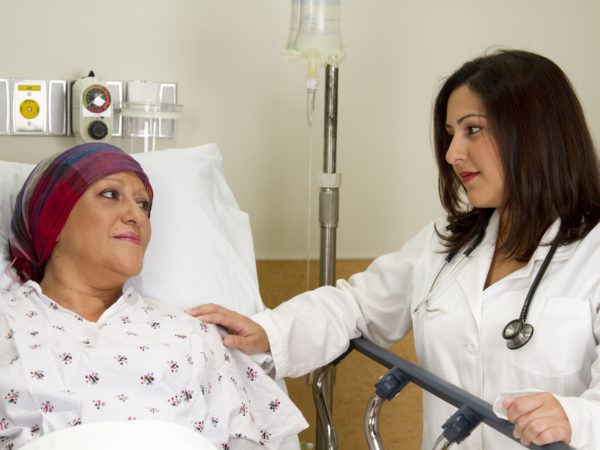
x,y
122,435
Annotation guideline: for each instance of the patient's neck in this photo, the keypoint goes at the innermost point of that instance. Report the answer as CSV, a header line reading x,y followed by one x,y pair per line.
x,y
83,299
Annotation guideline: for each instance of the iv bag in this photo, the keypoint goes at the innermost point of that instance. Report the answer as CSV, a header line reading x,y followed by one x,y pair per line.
x,y
314,36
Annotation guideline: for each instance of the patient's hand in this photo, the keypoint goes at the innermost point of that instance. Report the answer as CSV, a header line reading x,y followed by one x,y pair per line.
x,y
245,334
538,418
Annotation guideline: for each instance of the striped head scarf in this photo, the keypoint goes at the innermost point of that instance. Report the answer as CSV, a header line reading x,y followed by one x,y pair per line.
x,y
49,194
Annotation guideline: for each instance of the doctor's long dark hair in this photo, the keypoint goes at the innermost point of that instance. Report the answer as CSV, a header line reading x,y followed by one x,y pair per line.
x,y
549,161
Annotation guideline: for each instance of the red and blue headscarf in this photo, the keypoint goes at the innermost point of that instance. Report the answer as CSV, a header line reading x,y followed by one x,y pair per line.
x,y
49,194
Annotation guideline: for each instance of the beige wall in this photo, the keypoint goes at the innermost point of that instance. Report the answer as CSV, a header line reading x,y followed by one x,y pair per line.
x,y
237,92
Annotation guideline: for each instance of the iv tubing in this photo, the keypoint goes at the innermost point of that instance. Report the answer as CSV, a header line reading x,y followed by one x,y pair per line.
x,y
309,203
311,88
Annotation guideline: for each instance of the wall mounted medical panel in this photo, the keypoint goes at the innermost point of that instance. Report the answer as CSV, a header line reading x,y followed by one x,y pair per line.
x,y
30,107
168,96
4,106
116,93
38,107
57,107
29,103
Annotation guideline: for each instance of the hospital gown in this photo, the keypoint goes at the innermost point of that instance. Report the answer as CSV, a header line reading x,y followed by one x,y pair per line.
x,y
140,360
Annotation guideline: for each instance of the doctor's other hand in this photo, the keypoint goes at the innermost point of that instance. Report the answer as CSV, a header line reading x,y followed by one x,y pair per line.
x,y
538,418
244,334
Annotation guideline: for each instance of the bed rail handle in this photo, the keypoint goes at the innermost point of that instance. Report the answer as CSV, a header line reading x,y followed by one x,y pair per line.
x,y
323,409
372,422
472,410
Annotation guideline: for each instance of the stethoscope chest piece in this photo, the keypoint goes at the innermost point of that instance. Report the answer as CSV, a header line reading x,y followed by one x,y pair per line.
x,y
517,333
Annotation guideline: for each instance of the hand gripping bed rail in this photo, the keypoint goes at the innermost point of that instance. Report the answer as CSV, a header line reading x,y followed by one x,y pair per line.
x,y
472,410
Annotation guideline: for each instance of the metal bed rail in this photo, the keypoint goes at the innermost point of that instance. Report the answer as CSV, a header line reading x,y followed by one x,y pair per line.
x,y
471,409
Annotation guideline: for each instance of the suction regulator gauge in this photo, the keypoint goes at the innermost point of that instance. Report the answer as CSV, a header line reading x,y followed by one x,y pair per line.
x,y
96,99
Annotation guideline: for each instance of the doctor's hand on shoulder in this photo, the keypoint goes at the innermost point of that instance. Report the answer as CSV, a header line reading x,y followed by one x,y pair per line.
x,y
244,334
538,419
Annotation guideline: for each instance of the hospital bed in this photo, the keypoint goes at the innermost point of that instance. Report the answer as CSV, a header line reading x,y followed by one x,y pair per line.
x,y
201,248
471,412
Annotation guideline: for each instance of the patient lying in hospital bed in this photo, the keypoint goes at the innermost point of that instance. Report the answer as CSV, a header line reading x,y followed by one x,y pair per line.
x,y
139,359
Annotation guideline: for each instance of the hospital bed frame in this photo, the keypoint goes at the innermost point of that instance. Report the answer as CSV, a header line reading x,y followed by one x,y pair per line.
x,y
472,410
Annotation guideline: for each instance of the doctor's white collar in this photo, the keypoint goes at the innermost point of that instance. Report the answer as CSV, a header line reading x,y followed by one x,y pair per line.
x,y
563,252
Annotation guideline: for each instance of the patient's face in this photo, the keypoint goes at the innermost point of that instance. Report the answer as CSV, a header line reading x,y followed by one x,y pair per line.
x,y
108,230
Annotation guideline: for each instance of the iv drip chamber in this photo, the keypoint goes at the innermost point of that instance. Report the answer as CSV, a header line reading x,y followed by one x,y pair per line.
x,y
314,35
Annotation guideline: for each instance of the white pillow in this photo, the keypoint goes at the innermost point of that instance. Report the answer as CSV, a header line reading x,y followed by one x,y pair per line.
x,y
12,177
201,248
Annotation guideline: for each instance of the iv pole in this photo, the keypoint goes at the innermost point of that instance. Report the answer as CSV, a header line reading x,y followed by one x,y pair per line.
x,y
314,37
329,193
328,219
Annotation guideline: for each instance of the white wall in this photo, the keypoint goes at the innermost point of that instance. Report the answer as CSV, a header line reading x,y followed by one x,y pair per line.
x,y
237,92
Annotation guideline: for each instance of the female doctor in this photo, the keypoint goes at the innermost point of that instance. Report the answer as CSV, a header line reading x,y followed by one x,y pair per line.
x,y
503,295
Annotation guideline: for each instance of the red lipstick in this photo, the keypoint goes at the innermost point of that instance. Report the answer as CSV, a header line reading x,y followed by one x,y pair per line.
x,y
465,177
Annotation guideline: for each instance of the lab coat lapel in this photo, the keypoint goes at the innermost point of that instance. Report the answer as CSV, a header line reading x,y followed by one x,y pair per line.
x,y
562,253
471,279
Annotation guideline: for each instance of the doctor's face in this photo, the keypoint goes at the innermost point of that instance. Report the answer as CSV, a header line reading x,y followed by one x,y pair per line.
x,y
473,153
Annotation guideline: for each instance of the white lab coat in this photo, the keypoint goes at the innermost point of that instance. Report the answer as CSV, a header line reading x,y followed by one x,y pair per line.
x,y
462,342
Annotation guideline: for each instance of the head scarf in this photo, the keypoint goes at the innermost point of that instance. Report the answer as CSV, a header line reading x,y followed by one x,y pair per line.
x,y
49,194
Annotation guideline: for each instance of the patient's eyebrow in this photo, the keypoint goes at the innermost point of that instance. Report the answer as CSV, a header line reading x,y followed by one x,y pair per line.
x,y
115,179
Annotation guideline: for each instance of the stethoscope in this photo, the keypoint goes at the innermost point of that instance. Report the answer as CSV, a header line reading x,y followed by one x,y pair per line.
x,y
517,332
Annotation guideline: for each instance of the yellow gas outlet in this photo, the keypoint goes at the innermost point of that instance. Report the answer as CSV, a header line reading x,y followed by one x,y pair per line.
x,y
29,109
30,106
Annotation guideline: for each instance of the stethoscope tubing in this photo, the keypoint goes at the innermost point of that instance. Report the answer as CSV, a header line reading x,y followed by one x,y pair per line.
x,y
536,282
472,246
517,332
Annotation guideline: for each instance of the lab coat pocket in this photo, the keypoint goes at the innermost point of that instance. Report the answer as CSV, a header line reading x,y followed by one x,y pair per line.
x,y
563,338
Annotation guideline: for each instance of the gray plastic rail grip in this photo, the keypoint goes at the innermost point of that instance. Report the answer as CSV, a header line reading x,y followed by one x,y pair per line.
x,y
442,389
